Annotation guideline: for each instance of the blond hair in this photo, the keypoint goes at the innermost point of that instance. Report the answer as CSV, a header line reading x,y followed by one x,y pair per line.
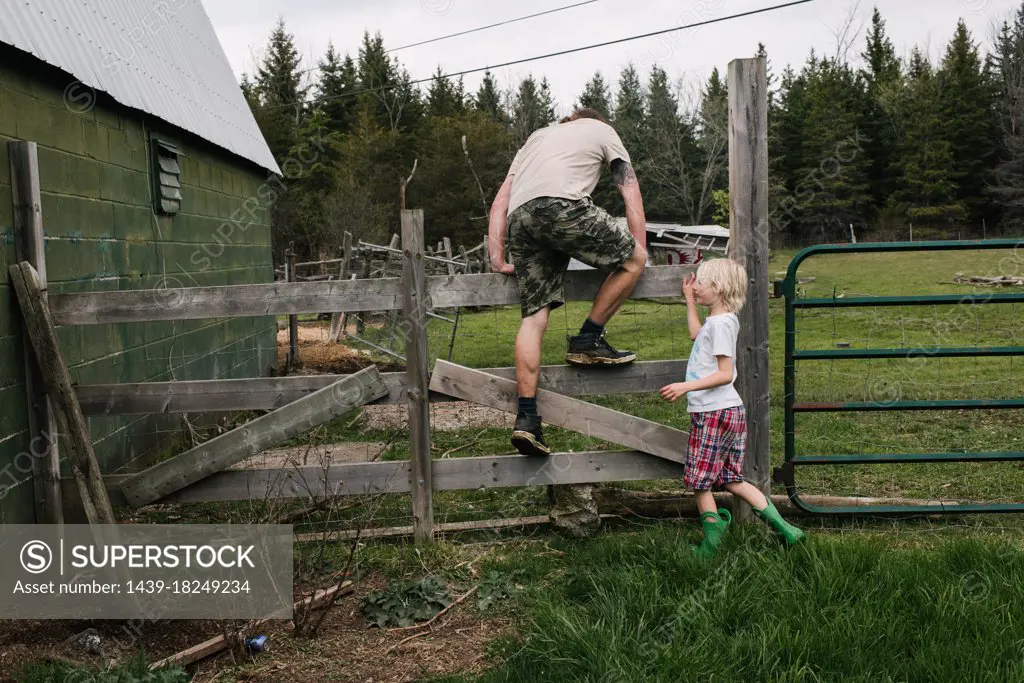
x,y
729,280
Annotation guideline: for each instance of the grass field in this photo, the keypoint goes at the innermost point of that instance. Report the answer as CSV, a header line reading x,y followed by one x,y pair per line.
x,y
638,607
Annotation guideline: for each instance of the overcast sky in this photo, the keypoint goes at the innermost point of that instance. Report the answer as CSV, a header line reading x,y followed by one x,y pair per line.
x,y
789,34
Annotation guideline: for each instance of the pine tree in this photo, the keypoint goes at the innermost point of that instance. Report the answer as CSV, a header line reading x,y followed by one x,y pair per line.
x,y
676,186
881,73
1008,69
386,92
597,96
927,186
713,132
630,112
278,88
488,99
832,187
968,116
335,91
445,98
547,101
532,108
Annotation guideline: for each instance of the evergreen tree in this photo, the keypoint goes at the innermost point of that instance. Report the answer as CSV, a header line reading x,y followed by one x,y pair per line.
x,y
279,91
969,119
386,93
488,99
630,112
881,74
832,187
335,91
445,98
927,186
532,108
713,132
597,96
1008,69
676,185
547,101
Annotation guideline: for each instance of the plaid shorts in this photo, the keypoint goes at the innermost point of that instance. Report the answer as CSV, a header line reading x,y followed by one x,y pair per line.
x,y
717,441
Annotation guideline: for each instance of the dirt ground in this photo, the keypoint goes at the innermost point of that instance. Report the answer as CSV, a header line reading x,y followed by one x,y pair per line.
x,y
350,651
347,649
318,356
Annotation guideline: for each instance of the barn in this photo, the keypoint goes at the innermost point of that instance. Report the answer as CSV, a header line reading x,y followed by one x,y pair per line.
x,y
152,174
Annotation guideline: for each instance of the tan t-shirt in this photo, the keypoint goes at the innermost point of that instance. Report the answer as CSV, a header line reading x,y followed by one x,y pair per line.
x,y
564,160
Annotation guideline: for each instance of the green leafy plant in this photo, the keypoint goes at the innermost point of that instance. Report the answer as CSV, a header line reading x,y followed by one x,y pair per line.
x,y
403,603
495,587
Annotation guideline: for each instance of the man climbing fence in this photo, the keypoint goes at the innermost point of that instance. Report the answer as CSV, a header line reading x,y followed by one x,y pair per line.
x,y
545,210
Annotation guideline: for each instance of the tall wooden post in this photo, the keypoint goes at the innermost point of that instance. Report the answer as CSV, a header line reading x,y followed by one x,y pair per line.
x,y
748,223
417,365
42,434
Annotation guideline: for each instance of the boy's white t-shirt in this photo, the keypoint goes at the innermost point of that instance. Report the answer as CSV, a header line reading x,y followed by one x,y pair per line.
x,y
717,337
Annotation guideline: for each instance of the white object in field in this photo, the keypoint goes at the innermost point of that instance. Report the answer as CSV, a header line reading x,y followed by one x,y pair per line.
x,y
682,244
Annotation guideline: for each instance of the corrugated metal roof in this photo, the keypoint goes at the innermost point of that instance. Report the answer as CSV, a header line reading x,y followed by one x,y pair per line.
x,y
161,57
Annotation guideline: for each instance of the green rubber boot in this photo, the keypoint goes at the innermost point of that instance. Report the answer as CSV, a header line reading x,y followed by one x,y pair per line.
x,y
786,531
715,526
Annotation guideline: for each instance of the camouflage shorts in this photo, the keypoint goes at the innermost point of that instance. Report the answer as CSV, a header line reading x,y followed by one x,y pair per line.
x,y
544,233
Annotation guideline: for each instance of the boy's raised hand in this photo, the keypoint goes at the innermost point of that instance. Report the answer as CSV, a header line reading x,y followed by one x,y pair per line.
x,y
688,282
673,392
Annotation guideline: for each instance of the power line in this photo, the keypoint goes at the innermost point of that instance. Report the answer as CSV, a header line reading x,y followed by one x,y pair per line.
x,y
559,53
473,30
484,28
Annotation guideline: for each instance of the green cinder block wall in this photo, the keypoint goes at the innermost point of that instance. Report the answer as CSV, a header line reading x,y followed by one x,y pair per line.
x,y
102,234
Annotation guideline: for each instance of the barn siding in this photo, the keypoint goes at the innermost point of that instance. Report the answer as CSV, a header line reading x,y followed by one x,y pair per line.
x,y
102,234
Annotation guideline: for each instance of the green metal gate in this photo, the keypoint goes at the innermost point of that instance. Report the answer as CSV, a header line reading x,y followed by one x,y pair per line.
x,y
786,474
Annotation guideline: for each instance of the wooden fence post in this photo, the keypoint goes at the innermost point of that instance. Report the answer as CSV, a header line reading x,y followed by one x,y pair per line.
x,y
42,435
748,221
417,364
293,320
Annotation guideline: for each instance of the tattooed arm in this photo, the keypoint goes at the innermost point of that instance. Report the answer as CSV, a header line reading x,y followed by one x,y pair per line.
x,y
629,187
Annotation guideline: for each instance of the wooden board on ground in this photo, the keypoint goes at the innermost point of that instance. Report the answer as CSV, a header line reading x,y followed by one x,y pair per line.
x,y
216,454
563,411
454,474
271,393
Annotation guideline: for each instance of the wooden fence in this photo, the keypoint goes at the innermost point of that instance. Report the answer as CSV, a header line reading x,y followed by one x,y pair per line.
x,y
654,450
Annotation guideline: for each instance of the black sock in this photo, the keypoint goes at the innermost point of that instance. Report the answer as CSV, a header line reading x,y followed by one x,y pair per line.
x,y
590,327
528,406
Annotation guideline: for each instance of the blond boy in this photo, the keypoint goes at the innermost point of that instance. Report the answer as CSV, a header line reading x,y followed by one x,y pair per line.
x,y
718,431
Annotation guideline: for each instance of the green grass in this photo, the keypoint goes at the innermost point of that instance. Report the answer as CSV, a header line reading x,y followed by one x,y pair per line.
x,y
638,607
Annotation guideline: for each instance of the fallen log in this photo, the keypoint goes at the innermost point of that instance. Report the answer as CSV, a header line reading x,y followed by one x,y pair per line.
x,y
218,643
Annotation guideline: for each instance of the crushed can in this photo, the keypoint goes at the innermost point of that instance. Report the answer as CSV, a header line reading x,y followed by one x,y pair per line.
x,y
256,644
